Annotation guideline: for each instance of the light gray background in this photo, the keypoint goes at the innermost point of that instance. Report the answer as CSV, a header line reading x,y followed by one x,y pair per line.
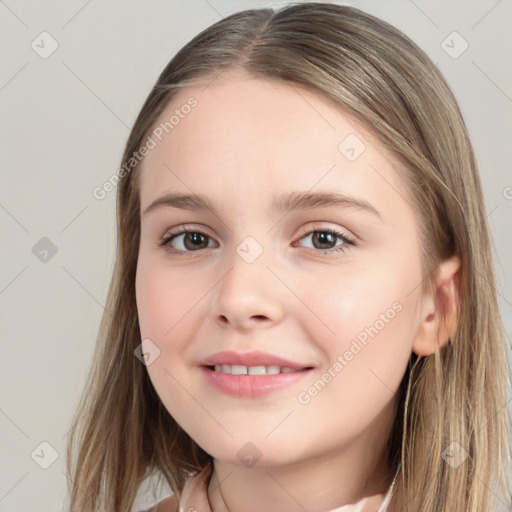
x,y
65,120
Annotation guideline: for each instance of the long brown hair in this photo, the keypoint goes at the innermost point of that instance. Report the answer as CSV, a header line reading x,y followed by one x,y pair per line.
x,y
121,431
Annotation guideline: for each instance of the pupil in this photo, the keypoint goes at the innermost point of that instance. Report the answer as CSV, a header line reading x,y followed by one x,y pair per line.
x,y
195,239
324,237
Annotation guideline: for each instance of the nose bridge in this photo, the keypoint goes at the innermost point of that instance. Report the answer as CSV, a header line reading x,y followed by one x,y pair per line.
x,y
248,293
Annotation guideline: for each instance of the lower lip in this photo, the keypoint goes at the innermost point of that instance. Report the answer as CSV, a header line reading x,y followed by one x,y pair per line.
x,y
252,386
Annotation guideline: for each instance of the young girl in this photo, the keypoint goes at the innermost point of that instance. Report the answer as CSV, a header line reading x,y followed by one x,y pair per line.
x,y
303,308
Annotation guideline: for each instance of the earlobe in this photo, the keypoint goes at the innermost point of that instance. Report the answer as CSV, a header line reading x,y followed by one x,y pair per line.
x,y
439,315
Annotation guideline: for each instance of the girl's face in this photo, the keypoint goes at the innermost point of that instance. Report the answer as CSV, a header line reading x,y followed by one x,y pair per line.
x,y
310,260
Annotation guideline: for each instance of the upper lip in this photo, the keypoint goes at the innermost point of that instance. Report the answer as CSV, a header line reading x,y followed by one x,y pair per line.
x,y
255,358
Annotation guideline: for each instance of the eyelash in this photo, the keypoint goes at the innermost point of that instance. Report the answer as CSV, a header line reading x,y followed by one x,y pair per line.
x,y
165,241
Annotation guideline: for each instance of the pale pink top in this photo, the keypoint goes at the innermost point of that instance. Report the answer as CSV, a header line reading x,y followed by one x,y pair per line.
x,y
194,498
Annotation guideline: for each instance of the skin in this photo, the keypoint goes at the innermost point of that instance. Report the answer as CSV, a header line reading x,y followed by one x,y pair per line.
x,y
246,140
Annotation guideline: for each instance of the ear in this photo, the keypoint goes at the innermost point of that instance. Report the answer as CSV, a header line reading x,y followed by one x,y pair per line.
x,y
439,312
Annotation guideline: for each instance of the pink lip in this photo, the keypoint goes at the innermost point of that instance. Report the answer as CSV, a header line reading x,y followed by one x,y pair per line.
x,y
255,358
251,386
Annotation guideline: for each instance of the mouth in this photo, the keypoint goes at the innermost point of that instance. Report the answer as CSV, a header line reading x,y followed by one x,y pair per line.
x,y
252,374
251,385
239,369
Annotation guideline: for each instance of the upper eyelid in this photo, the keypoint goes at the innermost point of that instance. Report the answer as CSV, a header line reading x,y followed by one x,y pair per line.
x,y
304,230
184,228
316,227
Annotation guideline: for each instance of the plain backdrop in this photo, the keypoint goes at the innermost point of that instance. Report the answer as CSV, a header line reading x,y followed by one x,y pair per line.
x,y
68,99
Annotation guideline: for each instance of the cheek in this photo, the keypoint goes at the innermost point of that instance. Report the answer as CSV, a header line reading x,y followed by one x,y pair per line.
x,y
164,299
371,321
167,305
366,317
171,306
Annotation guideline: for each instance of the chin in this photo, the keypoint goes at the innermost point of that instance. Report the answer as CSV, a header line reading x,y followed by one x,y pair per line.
x,y
244,452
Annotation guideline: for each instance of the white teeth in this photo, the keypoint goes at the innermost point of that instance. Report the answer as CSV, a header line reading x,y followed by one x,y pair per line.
x,y
257,370
239,369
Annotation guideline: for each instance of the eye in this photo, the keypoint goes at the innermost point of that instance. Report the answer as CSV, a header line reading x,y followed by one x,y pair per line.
x,y
328,237
185,240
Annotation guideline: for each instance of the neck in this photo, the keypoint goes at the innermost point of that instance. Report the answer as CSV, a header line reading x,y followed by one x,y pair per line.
x,y
325,482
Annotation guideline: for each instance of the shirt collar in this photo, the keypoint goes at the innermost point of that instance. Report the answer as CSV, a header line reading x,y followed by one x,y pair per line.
x,y
194,497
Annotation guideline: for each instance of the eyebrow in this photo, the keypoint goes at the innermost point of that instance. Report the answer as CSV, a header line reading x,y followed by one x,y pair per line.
x,y
284,202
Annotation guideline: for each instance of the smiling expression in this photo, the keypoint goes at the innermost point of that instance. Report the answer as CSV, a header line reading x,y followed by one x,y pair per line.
x,y
301,238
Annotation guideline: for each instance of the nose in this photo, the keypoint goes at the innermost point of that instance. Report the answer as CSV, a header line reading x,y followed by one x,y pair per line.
x,y
249,296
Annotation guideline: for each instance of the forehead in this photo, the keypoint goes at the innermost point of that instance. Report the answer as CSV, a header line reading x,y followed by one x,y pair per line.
x,y
245,136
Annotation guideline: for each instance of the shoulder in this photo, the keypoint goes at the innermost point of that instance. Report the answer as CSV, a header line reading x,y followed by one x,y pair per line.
x,y
169,504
